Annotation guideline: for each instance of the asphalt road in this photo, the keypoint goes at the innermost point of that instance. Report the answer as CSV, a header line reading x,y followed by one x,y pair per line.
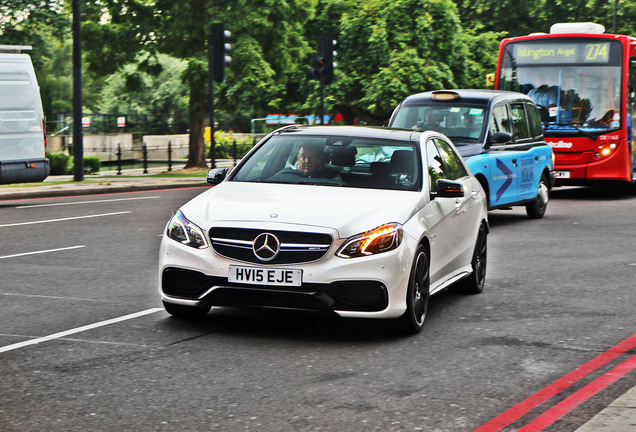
x,y
85,345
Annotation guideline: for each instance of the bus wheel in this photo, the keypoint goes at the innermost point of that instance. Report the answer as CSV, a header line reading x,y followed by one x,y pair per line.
x,y
536,209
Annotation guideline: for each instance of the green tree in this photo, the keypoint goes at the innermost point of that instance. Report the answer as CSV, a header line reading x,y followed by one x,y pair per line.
x,y
530,16
44,25
267,47
388,49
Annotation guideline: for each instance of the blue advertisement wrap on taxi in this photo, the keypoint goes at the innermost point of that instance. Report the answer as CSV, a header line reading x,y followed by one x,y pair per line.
x,y
498,134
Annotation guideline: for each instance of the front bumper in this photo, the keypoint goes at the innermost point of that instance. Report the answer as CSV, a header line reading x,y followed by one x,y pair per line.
x,y
373,286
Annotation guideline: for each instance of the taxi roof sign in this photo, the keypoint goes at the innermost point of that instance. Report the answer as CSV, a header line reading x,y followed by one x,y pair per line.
x,y
444,95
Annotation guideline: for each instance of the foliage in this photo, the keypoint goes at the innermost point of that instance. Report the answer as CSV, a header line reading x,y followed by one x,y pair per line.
x,y
59,163
144,57
92,165
531,16
228,146
132,90
62,164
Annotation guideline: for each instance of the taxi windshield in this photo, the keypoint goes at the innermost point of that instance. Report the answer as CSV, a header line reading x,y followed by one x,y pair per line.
x,y
461,123
334,161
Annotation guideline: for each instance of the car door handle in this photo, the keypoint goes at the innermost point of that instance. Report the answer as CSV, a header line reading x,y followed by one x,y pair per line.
x,y
514,162
474,193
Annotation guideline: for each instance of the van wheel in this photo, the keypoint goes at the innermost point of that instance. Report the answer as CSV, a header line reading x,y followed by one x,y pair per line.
x,y
417,294
536,209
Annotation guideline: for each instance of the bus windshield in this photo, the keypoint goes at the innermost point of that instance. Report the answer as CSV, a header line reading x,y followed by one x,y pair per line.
x,y
575,83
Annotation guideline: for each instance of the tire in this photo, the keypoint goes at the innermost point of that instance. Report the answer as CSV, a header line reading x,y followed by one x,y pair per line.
x,y
190,313
417,294
474,283
536,209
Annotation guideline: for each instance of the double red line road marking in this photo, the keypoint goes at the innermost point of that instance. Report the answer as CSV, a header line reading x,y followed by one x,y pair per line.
x,y
562,408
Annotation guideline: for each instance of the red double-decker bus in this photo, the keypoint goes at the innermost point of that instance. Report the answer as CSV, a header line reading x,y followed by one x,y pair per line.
x,y
584,82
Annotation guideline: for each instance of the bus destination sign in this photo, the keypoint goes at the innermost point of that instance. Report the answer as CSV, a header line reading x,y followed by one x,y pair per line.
x,y
562,53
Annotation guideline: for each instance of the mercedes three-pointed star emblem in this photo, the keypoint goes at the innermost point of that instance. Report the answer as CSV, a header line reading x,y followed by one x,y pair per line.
x,y
266,246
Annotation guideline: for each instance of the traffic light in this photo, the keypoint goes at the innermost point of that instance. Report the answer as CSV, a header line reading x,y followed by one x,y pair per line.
x,y
327,46
315,73
219,42
324,61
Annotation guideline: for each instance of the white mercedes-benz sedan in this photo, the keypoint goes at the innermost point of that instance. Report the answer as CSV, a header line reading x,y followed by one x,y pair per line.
x,y
355,221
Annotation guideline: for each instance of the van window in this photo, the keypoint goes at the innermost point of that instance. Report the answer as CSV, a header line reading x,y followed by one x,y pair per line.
x,y
17,101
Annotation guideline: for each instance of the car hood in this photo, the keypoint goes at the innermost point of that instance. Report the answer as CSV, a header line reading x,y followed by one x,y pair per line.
x,y
467,149
347,210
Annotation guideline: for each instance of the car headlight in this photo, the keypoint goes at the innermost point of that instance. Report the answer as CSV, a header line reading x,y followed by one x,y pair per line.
x,y
182,230
381,239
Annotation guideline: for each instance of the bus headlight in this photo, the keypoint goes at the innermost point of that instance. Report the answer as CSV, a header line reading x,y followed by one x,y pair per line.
x,y
605,150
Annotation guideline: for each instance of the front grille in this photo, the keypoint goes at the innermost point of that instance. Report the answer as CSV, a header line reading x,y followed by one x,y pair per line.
x,y
295,247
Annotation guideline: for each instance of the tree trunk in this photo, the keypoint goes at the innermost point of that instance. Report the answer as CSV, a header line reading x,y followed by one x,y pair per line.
x,y
196,156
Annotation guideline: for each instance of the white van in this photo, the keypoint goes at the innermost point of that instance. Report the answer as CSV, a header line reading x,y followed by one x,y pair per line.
x,y
22,128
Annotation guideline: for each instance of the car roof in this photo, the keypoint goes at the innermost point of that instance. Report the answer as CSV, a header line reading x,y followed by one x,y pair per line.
x,y
352,131
470,96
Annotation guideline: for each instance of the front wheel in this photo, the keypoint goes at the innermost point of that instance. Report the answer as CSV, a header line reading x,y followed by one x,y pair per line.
x,y
474,282
536,209
417,294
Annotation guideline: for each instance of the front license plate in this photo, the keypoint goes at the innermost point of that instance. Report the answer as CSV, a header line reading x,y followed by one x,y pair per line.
x,y
563,174
265,276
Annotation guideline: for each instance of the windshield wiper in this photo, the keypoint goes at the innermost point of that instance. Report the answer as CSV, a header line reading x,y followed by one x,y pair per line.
x,y
318,183
578,129
463,137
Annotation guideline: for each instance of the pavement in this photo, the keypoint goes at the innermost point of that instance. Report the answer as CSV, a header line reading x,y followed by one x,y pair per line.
x,y
619,416
104,182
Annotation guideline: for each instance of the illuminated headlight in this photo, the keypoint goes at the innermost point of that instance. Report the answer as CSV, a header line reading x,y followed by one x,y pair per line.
x,y
381,239
182,230
605,150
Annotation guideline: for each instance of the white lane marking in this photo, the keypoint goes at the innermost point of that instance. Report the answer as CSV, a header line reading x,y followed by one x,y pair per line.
x,y
41,252
62,219
58,298
78,340
78,330
85,202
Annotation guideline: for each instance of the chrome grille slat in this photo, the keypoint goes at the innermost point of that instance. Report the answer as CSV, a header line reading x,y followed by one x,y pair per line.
x,y
295,246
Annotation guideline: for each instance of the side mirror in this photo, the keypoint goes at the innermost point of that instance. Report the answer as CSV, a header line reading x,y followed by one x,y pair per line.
x,y
448,189
216,176
499,138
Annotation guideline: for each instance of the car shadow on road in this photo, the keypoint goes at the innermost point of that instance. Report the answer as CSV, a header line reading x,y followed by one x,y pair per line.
x,y
600,192
308,326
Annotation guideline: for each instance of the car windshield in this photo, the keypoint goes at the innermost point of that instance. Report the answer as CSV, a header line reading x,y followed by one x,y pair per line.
x,y
579,91
461,123
334,161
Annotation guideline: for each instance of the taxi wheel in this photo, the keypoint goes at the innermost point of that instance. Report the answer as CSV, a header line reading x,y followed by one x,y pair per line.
x,y
186,312
474,282
536,209
417,294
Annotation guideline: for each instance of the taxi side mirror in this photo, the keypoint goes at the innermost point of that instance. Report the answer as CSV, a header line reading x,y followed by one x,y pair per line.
x,y
498,138
216,176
